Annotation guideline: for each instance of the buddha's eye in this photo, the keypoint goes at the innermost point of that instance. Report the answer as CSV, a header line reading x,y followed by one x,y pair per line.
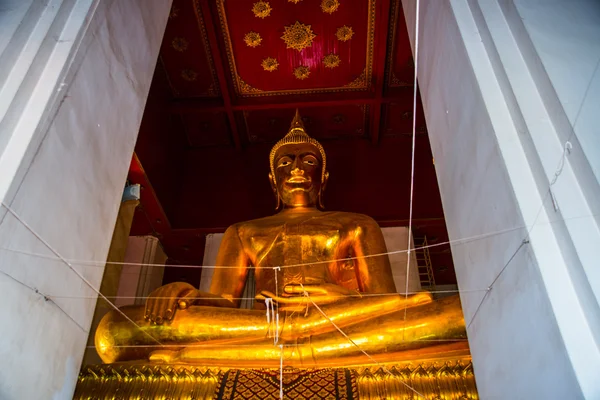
x,y
284,162
310,160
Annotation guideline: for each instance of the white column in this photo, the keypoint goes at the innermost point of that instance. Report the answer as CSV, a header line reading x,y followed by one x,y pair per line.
x,y
142,271
73,83
502,83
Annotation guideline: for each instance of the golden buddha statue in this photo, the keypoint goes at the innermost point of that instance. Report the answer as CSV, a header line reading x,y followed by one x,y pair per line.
x,y
319,269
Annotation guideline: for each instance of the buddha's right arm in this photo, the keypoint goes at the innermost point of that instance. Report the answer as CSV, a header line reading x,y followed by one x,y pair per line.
x,y
228,281
231,269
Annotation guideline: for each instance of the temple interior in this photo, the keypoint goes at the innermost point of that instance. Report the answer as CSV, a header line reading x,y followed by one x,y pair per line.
x,y
299,199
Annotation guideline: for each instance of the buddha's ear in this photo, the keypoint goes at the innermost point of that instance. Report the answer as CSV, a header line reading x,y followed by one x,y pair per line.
x,y
274,188
325,180
273,183
322,189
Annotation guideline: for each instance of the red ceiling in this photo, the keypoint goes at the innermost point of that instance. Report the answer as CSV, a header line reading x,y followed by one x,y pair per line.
x,y
213,113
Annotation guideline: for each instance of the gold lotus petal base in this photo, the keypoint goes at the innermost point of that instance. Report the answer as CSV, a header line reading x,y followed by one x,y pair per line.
x,y
443,379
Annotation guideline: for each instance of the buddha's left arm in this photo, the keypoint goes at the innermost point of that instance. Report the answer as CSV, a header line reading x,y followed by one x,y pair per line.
x,y
374,274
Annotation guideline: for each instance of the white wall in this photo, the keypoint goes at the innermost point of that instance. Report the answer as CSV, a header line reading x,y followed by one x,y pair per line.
x,y
497,138
74,121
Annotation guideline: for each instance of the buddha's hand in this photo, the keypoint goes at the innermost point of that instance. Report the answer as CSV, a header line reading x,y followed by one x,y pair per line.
x,y
164,301
297,294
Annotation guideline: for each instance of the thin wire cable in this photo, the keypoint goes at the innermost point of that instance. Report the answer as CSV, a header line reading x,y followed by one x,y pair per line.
x,y
281,372
412,162
209,345
254,298
102,264
559,169
45,297
356,345
88,283
489,289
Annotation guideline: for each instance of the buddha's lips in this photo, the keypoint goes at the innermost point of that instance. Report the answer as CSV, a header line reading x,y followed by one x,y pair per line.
x,y
298,179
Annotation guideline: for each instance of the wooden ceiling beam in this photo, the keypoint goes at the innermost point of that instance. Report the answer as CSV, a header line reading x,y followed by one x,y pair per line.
x,y
211,29
195,106
382,22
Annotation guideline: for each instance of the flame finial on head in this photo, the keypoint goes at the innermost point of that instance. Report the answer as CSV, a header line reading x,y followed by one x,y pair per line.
x,y
297,135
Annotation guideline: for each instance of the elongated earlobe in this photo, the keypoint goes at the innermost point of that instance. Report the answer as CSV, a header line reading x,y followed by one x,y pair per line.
x,y
274,188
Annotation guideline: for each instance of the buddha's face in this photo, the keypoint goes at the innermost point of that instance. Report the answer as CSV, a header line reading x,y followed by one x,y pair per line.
x,y
298,171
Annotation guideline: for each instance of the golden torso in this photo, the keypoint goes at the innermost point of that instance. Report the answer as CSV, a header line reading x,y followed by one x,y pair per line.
x,y
313,248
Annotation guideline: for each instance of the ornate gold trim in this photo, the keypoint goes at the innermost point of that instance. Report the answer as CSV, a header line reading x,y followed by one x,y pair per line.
x,y
435,379
298,36
247,88
261,9
390,79
358,82
236,78
207,52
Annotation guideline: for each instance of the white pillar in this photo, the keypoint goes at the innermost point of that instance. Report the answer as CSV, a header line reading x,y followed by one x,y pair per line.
x,y
142,271
73,84
502,83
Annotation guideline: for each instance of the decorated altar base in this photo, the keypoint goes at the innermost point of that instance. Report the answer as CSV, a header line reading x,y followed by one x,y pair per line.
x,y
449,379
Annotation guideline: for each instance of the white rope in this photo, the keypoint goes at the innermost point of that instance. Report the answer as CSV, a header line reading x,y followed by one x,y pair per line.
x,y
102,264
412,162
281,371
253,298
354,343
88,283
209,344
276,270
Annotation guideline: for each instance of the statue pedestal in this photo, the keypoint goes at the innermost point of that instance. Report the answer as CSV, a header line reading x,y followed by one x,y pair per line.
x,y
444,378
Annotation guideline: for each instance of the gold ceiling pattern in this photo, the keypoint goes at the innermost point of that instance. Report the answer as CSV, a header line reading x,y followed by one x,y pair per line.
x,y
252,39
298,36
269,64
344,33
331,60
262,9
318,46
330,6
302,72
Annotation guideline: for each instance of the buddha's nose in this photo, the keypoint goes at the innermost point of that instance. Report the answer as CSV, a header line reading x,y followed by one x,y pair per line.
x,y
297,171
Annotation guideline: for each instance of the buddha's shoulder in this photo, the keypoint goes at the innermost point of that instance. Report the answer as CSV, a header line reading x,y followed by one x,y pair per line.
x,y
355,219
339,219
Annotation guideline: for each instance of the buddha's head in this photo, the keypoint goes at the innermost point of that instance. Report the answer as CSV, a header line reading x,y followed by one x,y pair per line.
x,y
298,175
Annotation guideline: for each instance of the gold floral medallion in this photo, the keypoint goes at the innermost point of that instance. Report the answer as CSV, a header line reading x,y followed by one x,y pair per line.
x,y
298,36
179,44
252,39
344,33
294,1
301,72
269,64
189,75
331,60
261,9
330,6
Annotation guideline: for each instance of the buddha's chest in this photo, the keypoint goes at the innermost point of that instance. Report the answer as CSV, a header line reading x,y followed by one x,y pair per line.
x,y
305,250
